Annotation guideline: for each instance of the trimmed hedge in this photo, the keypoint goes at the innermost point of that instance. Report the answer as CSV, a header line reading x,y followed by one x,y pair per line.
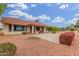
x,y
66,38
24,33
7,49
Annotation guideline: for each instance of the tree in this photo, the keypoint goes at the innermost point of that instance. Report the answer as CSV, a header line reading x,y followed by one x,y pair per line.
x,y
70,27
77,24
62,29
2,8
54,29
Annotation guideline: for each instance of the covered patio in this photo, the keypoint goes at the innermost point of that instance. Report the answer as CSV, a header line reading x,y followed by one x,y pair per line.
x,y
13,25
29,29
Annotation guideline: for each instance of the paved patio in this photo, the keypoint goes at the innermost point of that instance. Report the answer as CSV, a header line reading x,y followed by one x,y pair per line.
x,y
53,37
27,45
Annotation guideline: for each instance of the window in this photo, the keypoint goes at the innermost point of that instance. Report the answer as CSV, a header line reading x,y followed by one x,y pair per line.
x,y
37,28
18,28
10,28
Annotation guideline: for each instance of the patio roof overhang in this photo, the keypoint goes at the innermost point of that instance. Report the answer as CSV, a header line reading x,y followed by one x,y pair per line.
x,y
15,21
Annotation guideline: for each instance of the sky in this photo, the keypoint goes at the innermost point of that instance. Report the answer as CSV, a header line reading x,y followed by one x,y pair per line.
x,y
56,14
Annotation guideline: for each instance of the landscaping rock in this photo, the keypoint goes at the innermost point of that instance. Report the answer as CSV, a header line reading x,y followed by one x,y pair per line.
x,y
66,38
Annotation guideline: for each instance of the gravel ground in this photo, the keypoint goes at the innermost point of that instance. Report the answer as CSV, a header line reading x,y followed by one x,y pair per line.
x,y
27,45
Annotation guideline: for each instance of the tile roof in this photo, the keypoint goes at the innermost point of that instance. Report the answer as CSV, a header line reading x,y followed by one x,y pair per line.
x,y
16,21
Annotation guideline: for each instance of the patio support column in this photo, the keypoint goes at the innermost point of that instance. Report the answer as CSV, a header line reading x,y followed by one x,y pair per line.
x,y
33,29
28,29
12,28
25,28
44,29
6,28
40,28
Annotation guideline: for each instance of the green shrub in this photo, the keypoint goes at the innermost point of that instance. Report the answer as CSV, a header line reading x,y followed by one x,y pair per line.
x,y
7,49
72,29
24,33
77,29
53,29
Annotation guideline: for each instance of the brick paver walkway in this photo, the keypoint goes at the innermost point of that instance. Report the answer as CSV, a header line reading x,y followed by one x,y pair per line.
x,y
26,45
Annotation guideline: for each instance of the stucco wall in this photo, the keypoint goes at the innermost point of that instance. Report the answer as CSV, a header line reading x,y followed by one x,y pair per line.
x,y
5,28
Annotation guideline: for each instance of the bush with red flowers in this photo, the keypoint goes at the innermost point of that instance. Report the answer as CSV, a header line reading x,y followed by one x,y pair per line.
x,y
66,38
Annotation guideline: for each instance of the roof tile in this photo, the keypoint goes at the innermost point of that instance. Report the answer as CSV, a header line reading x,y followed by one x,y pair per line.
x,y
16,21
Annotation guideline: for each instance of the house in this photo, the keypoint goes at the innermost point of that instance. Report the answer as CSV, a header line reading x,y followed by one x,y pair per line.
x,y
17,26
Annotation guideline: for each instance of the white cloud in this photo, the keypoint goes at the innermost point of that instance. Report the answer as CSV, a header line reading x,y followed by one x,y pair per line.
x,y
13,16
49,4
11,5
33,5
58,3
43,17
63,6
18,13
58,19
77,14
20,6
73,21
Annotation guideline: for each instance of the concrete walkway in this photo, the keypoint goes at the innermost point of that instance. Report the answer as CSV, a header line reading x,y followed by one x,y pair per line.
x,y
53,37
